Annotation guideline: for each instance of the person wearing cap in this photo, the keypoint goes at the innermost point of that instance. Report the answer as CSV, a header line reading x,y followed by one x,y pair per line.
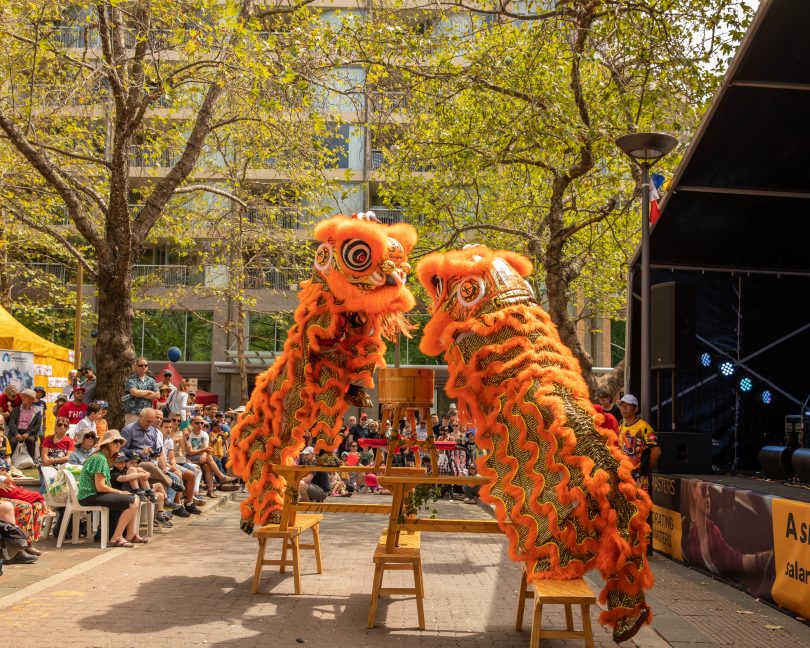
x,y
167,381
638,441
198,450
41,405
25,422
141,390
94,489
76,409
359,430
85,446
314,486
60,400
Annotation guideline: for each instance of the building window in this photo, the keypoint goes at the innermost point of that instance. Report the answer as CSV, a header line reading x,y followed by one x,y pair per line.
x,y
268,331
154,331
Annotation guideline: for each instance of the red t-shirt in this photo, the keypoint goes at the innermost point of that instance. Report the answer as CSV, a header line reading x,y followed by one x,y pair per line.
x,y
58,449
73,412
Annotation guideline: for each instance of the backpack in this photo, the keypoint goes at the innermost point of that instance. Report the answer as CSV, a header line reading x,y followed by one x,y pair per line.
x,y
12,540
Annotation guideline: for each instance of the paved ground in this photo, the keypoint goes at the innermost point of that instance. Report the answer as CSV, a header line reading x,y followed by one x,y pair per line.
x,y
191,586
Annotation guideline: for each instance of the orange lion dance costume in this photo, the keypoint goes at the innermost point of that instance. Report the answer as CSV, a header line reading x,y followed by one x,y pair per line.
x,y
561,488
356,297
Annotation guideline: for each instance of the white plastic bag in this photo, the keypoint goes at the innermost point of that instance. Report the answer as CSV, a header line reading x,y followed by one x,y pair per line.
x,y
20,458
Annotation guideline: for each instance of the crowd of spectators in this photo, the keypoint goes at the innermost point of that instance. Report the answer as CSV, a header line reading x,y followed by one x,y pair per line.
x,y
352,451
171,452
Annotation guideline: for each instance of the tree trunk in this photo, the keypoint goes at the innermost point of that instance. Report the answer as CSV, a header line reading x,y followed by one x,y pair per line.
x,y
117,356
240,352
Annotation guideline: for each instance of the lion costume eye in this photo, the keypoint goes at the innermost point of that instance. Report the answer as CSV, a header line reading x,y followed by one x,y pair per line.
x,y
356,255
438,286
470,291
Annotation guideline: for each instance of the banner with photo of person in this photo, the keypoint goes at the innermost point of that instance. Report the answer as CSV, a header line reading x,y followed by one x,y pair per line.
x,y
722,530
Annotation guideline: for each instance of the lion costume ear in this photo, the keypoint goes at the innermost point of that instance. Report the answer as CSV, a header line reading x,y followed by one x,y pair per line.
x,y
403,233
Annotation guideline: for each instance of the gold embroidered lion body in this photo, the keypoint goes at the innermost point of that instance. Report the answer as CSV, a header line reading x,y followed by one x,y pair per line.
x,y
356,297
560,486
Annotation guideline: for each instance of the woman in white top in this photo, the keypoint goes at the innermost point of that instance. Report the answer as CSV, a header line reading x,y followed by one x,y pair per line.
x,y
178,403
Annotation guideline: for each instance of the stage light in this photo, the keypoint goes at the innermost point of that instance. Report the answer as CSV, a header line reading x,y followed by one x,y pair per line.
x,y
706,359
767,397
727,369
746,384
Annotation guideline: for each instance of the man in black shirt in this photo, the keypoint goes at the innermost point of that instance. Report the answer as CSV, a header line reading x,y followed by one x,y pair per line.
x,y
606,401
360,430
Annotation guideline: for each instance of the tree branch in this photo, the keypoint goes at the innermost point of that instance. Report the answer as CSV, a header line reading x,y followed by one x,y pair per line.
x,y
20,215
213,190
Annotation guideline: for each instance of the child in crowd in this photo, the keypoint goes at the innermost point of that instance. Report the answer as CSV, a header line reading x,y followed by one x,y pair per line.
x,y
130,478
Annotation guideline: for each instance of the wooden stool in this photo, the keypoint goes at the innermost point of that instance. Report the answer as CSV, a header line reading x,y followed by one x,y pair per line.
x,y
407,555
561,592
290,538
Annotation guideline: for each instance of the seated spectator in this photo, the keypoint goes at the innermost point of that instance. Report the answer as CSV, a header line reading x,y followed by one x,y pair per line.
x,y
7,515
90,421
57,448
5,445
471,492
373,486
219,443
76,409
87,446
337,487
126,475
142,437
177,457
373,430
199,452
9,399
25,422
42,407
101,419
95,490
29,508
314,486
183,480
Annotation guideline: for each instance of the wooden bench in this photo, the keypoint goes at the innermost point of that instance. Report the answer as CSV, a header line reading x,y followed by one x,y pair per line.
x,y
290,539
407,555
560,592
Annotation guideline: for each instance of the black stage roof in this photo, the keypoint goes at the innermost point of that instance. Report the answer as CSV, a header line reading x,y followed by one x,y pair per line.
x,y
740,200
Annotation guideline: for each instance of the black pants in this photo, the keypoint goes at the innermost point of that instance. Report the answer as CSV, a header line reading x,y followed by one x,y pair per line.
x,y
113,501
30,444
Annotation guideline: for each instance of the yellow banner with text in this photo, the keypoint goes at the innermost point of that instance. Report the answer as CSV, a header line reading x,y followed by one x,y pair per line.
x,y
791,543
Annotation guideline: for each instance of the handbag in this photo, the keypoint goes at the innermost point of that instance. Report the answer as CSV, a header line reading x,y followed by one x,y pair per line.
x,y
12,540
20,457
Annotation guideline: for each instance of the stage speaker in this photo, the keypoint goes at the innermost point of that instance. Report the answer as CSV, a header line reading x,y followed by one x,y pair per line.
x,y
685,453
801,464
775,462
672,326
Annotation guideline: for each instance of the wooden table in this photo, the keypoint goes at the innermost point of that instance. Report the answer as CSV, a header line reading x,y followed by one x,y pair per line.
x,y
400,486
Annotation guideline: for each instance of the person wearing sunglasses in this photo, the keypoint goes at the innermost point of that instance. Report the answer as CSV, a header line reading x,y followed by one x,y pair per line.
x,y
57,448
199,452
141,390
94,489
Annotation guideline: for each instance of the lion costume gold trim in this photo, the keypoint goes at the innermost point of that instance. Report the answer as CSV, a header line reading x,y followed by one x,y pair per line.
x,y
356,297
561,488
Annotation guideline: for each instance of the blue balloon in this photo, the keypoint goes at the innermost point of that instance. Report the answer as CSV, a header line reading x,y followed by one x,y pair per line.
x,y
174,354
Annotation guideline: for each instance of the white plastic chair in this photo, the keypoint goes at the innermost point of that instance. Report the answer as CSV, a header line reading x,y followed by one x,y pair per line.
x,y
76,511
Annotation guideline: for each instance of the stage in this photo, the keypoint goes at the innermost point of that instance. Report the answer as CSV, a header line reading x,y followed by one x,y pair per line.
x,y
751,532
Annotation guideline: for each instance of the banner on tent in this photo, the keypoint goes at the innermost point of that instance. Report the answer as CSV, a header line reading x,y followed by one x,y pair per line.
x,y
16,368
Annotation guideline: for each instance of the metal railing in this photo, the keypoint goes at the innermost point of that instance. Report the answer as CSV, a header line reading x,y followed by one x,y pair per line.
x,y
377,159
389,216
276,278
144,156
161,275
58,270
287,217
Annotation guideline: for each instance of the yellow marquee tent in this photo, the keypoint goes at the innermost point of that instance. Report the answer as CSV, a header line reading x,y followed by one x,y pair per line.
x,y
53,359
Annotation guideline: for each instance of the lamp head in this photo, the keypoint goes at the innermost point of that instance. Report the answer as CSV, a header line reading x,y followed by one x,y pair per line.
x,y
646,148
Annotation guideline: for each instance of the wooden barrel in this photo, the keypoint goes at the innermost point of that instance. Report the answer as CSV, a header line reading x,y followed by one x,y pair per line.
x,y
406,385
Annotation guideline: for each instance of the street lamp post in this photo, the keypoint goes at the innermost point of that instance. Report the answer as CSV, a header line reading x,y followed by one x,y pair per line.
x,y
645,149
